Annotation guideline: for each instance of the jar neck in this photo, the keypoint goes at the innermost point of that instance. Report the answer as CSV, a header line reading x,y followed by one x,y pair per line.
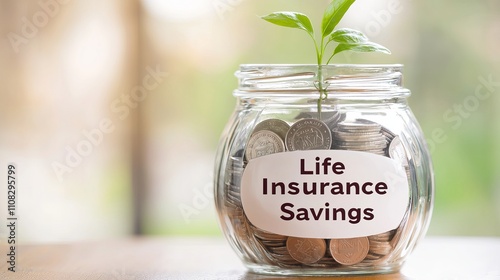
x,y
340,81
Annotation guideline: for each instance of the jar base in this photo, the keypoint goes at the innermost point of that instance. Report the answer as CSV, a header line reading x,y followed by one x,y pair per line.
x,y
273,270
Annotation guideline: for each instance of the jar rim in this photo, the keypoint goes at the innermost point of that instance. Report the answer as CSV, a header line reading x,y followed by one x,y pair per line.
x,y
347,80
339,65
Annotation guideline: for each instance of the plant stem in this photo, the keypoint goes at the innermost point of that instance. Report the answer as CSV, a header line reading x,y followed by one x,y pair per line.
x,y
322,91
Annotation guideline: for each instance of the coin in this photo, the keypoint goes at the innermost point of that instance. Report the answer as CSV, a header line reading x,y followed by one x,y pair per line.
x,y
334,131
395,143
306,115
387,133
349,251
360,135
308,134
306,250
331,117
267,236
275,125
397,152
356,135
263,143
360,125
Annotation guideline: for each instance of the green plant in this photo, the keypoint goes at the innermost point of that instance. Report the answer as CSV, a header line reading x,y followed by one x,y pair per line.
x,y
347,39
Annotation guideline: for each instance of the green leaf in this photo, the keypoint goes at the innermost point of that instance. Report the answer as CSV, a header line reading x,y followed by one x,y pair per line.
x,y
361,47
348,36
291,19
333,14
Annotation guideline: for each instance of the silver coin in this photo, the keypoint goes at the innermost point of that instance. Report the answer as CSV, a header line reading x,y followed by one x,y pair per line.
x,y
309,134
375,141
263,143
359,125
331,119
368,123
306,115
394,146
358,134
366,144
387,133
327,116
330,116
373,149
369,142
268,236
396,151
361,135
275,125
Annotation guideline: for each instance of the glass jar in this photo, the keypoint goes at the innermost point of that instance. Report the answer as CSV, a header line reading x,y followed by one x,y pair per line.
x,y
339,186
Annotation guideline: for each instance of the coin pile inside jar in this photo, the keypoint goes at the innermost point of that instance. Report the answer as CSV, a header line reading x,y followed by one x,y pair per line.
x,y
308,133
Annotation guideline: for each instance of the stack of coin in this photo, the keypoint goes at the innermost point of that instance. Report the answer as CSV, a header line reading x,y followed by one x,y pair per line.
x,y
389,135
367,136
234,208
308,133
396,151
360,135
266,138
234,173
268,242
380,245
285,253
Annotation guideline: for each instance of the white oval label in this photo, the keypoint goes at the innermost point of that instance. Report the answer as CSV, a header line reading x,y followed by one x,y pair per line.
x,y
325,193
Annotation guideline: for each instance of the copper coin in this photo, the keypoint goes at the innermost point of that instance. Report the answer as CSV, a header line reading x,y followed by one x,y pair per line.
x,y
349,251
306,250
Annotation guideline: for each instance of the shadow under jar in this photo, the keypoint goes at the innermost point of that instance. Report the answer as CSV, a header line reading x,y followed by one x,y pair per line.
x,y
344,188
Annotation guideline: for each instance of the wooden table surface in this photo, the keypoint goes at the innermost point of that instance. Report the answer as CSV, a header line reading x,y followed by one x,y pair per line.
x,y
452,258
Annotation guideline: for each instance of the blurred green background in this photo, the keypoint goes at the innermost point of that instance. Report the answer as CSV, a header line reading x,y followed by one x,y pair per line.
x,y
152,174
